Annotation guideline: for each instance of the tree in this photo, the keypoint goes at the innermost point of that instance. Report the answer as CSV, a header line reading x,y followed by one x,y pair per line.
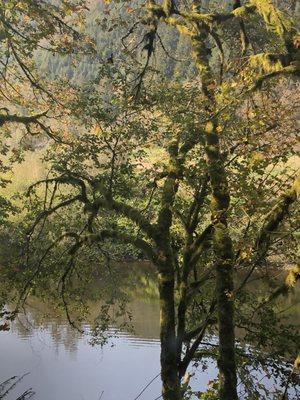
x,y
28,100
215,143
28,26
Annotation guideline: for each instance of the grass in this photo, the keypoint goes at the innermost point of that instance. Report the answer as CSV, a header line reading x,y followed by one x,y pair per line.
x,y
21,176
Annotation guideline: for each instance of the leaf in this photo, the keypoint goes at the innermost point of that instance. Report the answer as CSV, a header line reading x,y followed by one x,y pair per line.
x,y
5,327
297,362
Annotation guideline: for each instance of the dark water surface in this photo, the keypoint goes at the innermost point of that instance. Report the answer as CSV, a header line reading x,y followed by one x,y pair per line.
x,y
62,365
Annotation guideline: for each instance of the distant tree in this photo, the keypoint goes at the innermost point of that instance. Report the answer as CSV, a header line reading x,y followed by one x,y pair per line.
x,y
25,27
29,103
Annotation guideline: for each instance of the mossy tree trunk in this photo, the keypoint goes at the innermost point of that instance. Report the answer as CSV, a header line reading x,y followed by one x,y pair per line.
x,y
224,266
168,357
220,201
166,280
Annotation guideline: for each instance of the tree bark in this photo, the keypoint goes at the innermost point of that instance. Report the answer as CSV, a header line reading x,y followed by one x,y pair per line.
x,y
220,201
224,266
166,280
225,306
168,358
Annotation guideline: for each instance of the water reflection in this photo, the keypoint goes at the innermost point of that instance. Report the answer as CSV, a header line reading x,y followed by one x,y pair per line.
x,y
144,324
63,365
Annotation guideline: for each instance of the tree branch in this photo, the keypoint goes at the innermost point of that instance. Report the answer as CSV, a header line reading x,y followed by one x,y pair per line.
x,y
124,238
5,118
129,212
201,333
272,221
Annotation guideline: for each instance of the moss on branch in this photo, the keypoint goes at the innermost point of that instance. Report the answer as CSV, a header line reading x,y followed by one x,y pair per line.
x,y
21,119
141,244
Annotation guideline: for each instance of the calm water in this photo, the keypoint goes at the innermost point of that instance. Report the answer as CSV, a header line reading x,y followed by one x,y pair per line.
x,y
62,365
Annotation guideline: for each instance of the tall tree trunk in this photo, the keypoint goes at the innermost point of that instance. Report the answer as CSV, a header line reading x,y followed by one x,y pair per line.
x,y
168,358
225,305
166,279
224,255
219,208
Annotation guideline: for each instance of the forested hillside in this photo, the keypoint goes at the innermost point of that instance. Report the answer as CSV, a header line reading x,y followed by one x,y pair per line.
x,y
108,23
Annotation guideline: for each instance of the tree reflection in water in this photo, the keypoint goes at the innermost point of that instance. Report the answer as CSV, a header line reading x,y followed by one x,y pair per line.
x,y
11,385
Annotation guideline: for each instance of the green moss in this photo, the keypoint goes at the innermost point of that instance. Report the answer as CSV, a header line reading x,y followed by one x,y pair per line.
x,y
241,11
275,20
266,62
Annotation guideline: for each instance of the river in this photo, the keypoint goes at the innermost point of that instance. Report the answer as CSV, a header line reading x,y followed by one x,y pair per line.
x,y
63,365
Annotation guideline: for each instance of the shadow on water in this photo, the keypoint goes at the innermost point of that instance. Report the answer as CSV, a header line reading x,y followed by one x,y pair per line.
x,y
63,365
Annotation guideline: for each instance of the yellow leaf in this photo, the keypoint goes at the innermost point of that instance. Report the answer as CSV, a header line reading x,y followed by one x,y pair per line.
x,y
209,127
297,362
256,157
97,130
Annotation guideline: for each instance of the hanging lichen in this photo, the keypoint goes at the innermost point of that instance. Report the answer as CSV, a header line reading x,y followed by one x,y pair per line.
x,y
199,17
266,62
181,27
275,20
244,10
